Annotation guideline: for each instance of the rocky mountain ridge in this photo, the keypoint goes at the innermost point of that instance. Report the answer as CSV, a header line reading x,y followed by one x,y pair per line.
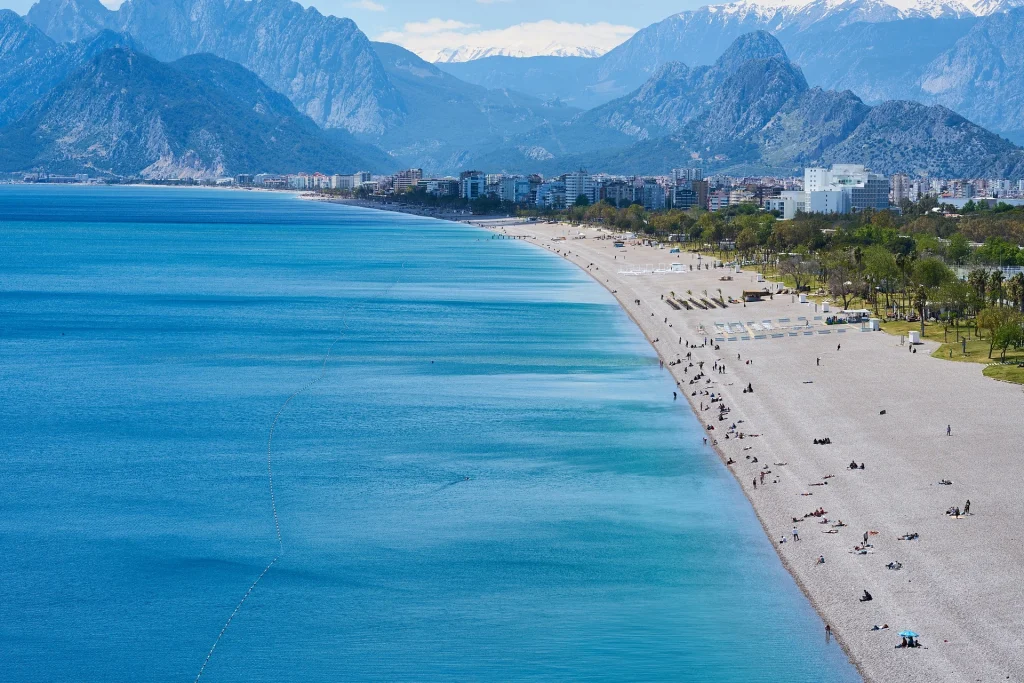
x,y
753,109
949,53
123,113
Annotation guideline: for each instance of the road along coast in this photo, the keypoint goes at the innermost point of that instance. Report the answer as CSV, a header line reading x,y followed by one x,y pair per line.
x,y
786,380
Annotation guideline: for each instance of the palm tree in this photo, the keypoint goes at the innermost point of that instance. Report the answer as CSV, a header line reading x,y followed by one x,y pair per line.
x,y
920,302
995,286
1015,290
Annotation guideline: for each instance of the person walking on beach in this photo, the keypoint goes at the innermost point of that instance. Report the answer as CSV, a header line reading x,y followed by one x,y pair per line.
x,y
828,634
796,534
949,430
817,361
674,396
838,346
967,507
755,483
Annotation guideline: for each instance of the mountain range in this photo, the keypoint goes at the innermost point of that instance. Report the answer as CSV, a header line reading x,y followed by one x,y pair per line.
x,y
123,113
753,111
82,86
933,52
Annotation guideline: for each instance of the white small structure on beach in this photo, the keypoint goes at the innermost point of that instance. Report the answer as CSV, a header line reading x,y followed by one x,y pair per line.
x,y
678,268
825,306
915,337
874,324
760,277
803,298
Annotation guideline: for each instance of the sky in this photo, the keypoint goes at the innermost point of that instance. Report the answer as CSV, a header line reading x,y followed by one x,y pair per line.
x,y
528,26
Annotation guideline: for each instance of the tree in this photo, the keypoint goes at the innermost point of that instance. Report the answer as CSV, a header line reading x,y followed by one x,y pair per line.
x,y
746,241
796,268
958,249
1015,291
1010,332
842,275
991,319
978,281
881,272
920,303
931,272
955,296
995,286
582,200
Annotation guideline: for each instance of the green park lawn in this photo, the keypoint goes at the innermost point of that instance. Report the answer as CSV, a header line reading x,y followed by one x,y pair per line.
x,y
977,349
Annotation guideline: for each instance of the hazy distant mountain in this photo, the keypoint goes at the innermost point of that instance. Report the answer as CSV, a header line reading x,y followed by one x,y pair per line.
x,y
447,121
24,81
699,36
547,78
324,64
19,41
69,20
982,75
327,67
933,51
753,110
125,113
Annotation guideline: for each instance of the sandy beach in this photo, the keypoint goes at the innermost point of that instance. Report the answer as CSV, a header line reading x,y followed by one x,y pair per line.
x,y
960,585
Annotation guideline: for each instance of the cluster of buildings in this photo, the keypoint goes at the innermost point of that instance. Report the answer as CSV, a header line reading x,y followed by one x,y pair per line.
x,y
904,187
843,188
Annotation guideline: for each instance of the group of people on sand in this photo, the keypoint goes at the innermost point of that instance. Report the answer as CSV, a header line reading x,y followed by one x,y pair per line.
x,y
823,442
955,511
854,466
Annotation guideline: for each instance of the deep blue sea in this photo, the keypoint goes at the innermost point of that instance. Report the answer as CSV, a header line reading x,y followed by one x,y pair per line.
x,y
148,338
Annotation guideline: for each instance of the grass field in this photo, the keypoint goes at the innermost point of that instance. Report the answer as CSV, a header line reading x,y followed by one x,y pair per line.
x,y
976,349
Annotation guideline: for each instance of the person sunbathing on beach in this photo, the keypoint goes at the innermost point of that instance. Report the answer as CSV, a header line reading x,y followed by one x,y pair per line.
x,y
866,597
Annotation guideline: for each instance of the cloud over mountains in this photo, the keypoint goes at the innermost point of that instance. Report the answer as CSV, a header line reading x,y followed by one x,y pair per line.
x,y
447,40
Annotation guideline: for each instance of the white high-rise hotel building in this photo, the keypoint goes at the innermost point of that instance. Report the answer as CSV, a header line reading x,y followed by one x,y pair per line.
x,y
840,189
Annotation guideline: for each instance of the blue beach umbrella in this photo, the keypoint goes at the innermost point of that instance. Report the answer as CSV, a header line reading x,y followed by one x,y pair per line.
x,y
908,634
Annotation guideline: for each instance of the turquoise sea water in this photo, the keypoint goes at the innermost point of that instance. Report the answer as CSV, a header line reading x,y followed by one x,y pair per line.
x,y
149,336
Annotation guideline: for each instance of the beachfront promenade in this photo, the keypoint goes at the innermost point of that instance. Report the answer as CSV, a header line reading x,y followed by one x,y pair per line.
x,y
960,586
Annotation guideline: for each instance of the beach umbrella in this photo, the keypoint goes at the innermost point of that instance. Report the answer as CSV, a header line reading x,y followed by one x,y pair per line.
x,y
908,634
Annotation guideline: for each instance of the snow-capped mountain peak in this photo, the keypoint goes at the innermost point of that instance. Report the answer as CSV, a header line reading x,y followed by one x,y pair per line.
x,y
465,53
881,9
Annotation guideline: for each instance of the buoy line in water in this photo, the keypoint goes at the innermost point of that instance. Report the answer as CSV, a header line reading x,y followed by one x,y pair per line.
x,y
270,482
